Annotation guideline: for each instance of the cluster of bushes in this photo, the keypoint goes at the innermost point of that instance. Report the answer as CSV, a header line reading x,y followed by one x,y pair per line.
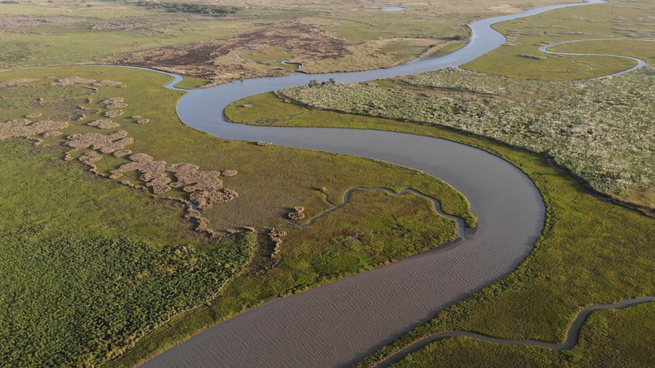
x,y
600,129
188,7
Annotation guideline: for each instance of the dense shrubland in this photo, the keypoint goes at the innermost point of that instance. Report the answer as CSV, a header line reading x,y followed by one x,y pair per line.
x,y
176,7
600,129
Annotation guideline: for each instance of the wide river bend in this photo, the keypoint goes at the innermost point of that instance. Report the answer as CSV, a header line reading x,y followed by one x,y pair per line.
x,y
338,324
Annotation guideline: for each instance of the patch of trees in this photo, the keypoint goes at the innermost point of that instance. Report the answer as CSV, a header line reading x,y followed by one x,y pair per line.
x,y
314,82
188,7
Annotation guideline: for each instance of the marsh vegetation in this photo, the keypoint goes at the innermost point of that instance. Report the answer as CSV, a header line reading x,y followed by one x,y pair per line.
x,y
599,129
143,273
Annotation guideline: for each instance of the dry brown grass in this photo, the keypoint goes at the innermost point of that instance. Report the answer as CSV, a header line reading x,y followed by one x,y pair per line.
x,y
297,214
103,143
15,82
72,80
113,113
104,124
106,82
23,128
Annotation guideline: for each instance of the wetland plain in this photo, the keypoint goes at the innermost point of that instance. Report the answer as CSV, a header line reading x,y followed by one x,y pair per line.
x,y
338,221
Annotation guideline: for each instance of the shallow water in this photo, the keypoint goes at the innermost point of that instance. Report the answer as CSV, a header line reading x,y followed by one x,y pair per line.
x,y
338,324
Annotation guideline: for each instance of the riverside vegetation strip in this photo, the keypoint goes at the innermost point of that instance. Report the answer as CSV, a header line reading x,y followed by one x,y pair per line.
x,y
591,251
139,273
599,129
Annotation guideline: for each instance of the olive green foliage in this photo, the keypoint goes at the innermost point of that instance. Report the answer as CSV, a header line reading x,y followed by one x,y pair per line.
x,y
591,251
179,7
609,339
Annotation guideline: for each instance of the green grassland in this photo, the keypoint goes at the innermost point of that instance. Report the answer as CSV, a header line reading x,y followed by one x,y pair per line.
x,y
609,339
142,261
590,252
604,21
89,266
64,32
642,49
119,29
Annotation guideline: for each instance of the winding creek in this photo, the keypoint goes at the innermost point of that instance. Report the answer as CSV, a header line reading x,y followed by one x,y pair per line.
x,y
338,324
640,63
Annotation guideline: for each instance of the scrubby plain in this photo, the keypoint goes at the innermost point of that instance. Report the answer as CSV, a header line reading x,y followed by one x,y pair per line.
x,y
250,40
115,201
599,129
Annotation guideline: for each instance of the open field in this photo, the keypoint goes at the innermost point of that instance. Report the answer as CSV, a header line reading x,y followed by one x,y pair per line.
x,y
622,338
620,20
346,36
590,252
121,123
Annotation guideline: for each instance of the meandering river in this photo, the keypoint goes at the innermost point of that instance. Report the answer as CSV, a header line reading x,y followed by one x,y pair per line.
x,y
340,323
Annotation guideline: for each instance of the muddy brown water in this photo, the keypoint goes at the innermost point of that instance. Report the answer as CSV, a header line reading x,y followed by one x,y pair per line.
x,y
338,324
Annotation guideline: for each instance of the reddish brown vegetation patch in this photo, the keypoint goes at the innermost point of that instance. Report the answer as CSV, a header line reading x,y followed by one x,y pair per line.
x,y
298,214
122,153
103,143
204,186
72,80
198,59
104,83
276,236
114,103
113,113
15,82
103,124
53,133
23,128
204,199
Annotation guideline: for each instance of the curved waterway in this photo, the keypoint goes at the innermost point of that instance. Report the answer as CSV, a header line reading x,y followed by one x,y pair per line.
x,y
640,63
338,324
569,343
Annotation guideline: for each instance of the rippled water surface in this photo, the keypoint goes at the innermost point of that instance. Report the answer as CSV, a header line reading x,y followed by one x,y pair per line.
x,y
340,323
